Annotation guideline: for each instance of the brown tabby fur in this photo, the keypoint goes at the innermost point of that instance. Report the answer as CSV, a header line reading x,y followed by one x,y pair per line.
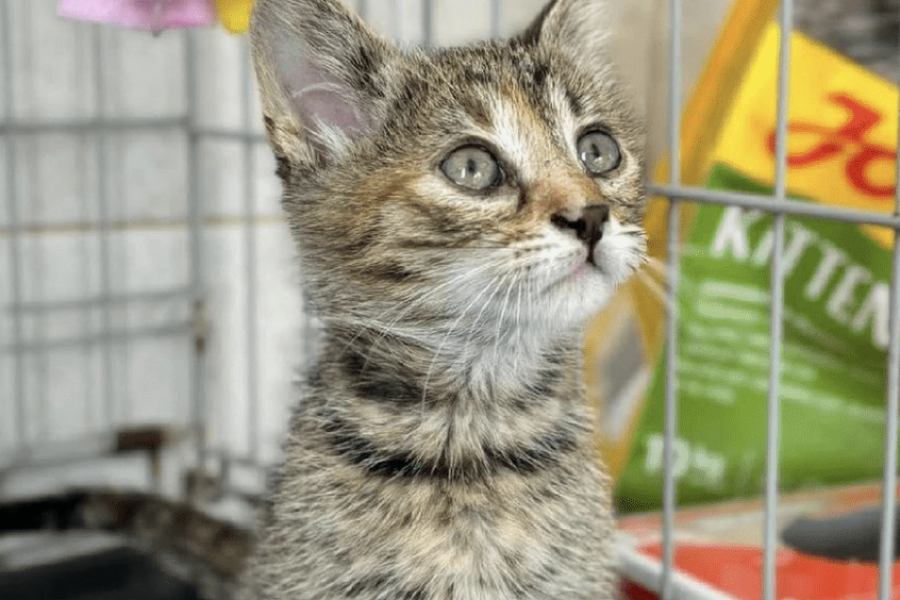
x,y
442,449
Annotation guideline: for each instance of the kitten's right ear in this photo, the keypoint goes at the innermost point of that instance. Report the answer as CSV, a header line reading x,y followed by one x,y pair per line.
x,y
320,70
577,27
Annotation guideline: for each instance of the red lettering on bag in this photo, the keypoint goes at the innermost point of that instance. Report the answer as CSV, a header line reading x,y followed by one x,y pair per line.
x,y
849,138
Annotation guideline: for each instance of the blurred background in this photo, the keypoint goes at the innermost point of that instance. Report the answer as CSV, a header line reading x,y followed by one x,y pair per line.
x,y
151,315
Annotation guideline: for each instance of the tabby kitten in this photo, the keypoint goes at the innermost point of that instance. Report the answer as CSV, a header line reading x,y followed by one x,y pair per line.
x,y
460,214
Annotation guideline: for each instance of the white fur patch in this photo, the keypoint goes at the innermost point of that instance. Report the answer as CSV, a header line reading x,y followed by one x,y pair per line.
x,y
528,293
508,133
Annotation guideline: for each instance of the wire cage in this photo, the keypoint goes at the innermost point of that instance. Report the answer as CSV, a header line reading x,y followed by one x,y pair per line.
x,y
151,322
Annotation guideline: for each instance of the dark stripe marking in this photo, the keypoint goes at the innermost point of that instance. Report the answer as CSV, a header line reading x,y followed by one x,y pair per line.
x,y
525,459
385,587
381,386
576,103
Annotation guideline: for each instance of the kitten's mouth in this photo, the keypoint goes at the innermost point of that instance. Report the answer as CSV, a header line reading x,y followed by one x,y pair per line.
x,y
577,275
585,269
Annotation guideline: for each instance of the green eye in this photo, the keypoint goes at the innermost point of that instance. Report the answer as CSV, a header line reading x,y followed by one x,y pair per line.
x,y
599,152
473,168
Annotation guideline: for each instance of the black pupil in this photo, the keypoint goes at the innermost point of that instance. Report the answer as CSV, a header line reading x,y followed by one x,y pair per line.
x,y
472,166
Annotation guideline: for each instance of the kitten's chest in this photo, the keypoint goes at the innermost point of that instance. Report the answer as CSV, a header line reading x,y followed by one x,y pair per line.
x,y
514,539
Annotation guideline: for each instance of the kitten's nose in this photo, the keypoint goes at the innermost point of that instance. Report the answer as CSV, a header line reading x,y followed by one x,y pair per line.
x,y
588,228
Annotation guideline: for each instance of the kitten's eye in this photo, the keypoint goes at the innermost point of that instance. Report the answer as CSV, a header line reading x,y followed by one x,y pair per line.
x,y
472,167
599,152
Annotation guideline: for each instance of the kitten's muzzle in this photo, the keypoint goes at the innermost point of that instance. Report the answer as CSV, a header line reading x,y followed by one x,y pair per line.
x,y
588,228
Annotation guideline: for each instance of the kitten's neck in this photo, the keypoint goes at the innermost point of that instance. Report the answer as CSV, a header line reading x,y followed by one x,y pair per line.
x,y
405,407
437,365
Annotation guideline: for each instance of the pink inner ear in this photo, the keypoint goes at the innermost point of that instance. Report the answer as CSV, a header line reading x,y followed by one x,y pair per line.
x,y
324,104
320,100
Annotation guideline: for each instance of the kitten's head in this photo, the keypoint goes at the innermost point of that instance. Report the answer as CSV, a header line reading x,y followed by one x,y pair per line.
x,y
495,184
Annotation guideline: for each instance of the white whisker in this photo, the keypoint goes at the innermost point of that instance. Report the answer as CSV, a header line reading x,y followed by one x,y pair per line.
x,y
412,303
655,265
656,289
518,325
450,330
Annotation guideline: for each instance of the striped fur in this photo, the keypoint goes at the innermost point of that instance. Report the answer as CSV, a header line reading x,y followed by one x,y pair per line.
x,y
442,449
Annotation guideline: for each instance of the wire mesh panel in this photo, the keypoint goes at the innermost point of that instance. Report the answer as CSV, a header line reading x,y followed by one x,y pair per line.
x,y
95,242
778,205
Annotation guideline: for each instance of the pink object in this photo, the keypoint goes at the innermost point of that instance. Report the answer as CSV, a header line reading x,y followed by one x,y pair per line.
x,y
151,15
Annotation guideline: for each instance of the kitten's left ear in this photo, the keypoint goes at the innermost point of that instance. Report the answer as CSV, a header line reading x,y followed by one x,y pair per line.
x,y
322,74
577,27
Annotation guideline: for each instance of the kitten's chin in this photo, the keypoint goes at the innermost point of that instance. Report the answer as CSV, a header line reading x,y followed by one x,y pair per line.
x,y
589,286
579,295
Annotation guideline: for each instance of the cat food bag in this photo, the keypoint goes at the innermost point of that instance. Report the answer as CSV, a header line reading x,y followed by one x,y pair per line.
x,y
841,152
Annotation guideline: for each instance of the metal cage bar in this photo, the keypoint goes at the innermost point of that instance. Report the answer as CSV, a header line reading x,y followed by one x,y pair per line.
x,y
428,23
103,218
496,18
672,259
784,207
18,385
776,331
887,550
250,257
198,411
